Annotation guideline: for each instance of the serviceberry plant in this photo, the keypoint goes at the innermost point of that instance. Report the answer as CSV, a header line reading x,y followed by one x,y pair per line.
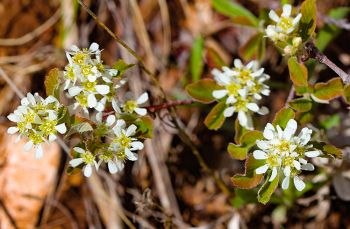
x,y
278,155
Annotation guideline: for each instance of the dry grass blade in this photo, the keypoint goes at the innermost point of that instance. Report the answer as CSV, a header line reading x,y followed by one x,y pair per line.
x,y
32,35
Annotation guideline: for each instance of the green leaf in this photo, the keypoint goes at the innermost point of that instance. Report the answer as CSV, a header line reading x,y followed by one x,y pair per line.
x,y
330,122
243,197
239,131
216,118
329,90
328,149
282,117
247,141
202,90
301,104
329,32
346,93
52,82
237,12
63,116
307,24
196,59
214,60
304,118
298,72
144,127
252,48
250,179
267,189
121,66
79,128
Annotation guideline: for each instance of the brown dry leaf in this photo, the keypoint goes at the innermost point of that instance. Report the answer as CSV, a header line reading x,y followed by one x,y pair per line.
x,y
24,180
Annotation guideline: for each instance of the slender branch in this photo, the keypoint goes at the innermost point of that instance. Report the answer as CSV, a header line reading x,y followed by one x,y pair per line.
x,y
182,133
154,108
313,52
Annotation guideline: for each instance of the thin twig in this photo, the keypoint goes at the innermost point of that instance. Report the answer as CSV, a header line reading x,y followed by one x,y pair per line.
x,y
313,52
154,108
182,133
35,33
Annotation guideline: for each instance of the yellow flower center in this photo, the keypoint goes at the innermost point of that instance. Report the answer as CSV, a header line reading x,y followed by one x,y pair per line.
x,y
88,157
35,138
89,86
272,160
130,106
233,88
48,127
245,76
123,141
80,57
82,100
285,23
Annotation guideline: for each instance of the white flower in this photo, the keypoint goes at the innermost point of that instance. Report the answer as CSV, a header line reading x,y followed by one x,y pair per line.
x,y
123,141
285,23
87,158
131,106
37,120
242,87
283,151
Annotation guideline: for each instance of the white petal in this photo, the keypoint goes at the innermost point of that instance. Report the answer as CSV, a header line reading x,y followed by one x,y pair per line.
x,y
296,19
78,150
314,153
102,89
258,73
242,118
99,116
130,155
142,99
273,16
131,130
308,167
264,145
50,99
100,106
73,91
74,48
287,10
12,130
92,77
218,94
28,146
231,99
259,155
120,123
290,129
263,111
93,47
137,145
238,63
76,162
61,128
112,167
297,165
92,101
87,170
285,183
298,183
110,120
253,107
24,101
115,106
228,112
39,152
140,111
262,169
14,118
273,174
120,165
286,171
52,137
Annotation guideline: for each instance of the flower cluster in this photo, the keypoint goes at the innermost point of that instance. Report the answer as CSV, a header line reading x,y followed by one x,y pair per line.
x,y
283,33
243,86
37,119
88,81
283,151
120,146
